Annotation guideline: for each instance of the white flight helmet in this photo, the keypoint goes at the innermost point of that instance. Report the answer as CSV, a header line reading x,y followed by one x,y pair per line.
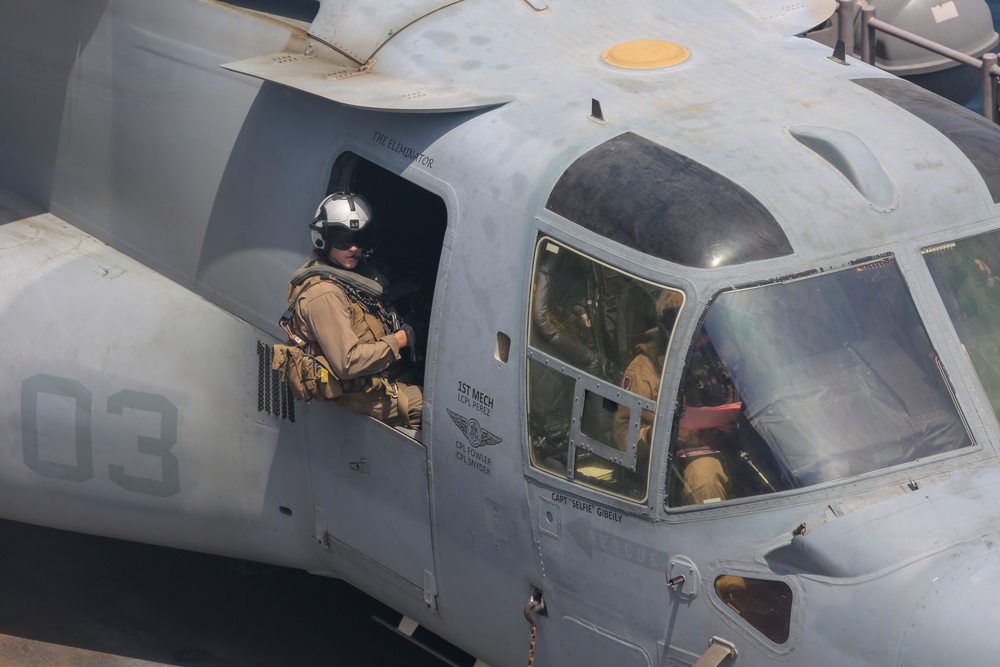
x,y
342,220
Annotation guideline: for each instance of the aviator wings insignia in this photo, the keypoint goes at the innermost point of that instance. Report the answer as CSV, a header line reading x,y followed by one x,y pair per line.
x,y
473,432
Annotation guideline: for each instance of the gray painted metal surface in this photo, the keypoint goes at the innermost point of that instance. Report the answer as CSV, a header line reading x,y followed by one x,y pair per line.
x,y
168,206
359,29
360,88
790,19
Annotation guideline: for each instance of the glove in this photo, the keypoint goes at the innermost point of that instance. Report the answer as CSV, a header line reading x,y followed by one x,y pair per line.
x,y
411,337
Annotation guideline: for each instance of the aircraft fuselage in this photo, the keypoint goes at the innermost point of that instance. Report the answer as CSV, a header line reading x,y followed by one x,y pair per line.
x,y
169,201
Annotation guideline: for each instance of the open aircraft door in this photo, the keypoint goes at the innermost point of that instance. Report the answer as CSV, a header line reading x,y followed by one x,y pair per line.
x,y
388,534
370,481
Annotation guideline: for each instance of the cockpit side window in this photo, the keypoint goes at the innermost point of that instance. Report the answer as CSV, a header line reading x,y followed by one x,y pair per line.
x,y
597,341
964,274
815,380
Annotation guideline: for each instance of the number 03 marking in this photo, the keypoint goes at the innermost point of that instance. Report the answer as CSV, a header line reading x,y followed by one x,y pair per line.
x,y
83,469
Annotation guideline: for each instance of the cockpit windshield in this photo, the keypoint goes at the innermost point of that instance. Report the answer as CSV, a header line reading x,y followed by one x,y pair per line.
x,y
809,381
963,272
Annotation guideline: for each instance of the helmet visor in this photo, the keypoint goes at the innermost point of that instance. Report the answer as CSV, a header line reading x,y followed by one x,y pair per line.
x,y
343,239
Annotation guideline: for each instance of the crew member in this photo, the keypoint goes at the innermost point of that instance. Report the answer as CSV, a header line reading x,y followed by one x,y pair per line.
x,y
704,478
337,300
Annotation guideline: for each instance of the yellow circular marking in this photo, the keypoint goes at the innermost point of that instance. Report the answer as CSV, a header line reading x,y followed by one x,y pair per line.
x,y
646,54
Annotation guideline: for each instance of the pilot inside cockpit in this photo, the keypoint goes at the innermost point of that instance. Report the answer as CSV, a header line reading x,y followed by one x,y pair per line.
x,y
705,444
709,402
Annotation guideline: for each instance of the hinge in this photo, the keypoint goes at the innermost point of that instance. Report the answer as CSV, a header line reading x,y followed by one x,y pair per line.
x,y
319,528
430,590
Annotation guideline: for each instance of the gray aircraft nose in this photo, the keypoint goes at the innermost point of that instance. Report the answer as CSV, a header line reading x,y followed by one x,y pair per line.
x,y
956,620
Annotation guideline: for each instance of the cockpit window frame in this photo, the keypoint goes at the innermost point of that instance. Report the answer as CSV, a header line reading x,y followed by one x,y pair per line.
x,y
600,388
895,469
793,616
968,327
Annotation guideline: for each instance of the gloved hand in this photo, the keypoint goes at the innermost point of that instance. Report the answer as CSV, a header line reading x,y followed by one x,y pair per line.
x,y
411,337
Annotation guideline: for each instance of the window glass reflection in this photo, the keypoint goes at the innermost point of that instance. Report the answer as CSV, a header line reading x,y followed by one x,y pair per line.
x,y
809,381
963,272
597,341
765,604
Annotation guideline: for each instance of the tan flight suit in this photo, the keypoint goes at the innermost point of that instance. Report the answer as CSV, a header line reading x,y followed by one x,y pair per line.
x,y
704,478
324,313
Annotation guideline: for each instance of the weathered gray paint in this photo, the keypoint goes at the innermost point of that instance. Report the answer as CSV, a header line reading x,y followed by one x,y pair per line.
x,y
120,120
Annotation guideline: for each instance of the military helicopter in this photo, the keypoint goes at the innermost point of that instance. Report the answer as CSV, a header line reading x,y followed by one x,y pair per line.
x,y
800,251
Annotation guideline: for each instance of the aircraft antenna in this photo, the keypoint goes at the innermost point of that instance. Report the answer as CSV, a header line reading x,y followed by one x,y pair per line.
x,y
840,53
596,112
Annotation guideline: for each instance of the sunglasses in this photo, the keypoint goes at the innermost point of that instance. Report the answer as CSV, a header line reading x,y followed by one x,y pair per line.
x,y
346,241
346,246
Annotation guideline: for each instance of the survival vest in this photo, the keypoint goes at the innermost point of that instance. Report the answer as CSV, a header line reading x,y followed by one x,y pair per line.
x,y
301,362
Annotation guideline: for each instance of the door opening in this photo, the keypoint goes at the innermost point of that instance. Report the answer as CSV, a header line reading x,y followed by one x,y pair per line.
x,y
411,225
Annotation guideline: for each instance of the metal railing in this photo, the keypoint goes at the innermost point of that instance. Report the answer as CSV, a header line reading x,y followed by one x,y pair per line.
x,y
871,26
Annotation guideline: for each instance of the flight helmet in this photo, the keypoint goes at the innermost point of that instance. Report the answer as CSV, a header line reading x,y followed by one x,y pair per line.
x,y
342,220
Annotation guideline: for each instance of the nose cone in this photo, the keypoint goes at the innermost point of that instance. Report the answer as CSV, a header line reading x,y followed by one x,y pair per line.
x,y
957,619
